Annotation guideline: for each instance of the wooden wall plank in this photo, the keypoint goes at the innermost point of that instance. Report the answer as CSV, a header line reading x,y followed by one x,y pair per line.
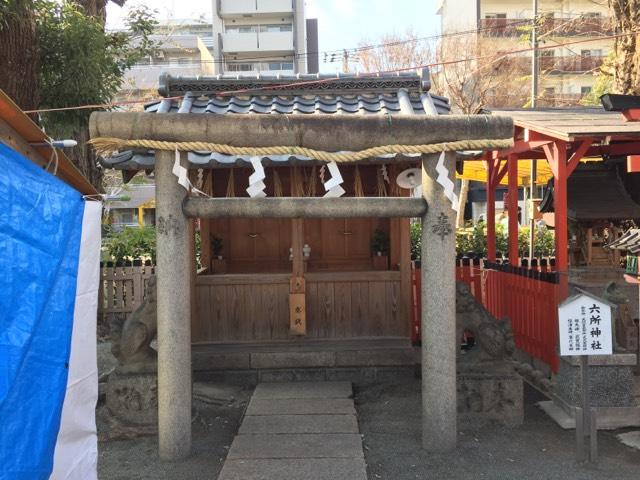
x,y
342,311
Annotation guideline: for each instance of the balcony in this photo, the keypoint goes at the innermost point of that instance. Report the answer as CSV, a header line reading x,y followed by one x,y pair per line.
x,y
257,42
145,77
265,68
551,26
241,8
572,64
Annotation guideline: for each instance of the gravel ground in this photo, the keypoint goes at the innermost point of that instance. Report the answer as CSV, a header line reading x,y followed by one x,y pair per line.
x,y
213,430
389,417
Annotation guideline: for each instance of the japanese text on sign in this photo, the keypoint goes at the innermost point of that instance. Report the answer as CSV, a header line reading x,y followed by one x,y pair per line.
x,y
585,326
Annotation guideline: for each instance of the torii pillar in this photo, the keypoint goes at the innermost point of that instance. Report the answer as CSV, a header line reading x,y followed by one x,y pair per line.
x,y
439,342
173,312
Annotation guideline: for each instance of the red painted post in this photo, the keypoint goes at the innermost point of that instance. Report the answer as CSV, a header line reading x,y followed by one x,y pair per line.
x,y
560,216
491,211
512,208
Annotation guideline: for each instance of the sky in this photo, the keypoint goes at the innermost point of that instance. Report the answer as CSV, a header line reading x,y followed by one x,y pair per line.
x,y
341,23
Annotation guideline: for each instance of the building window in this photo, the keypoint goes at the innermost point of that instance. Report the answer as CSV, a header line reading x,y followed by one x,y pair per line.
x,y
549,91
585,91
240,67
241,29
495,16
286,27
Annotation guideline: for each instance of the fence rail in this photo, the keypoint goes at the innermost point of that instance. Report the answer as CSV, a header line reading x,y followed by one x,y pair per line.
x,y
122,286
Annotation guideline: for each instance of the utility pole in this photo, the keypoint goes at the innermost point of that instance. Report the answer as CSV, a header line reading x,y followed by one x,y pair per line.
x,y
345,61
534,55
534,97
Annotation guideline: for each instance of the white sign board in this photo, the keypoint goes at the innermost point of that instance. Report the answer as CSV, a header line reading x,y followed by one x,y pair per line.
x,y
585,326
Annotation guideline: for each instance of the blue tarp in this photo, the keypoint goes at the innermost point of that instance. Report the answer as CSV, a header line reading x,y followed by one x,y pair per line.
x,y
40,227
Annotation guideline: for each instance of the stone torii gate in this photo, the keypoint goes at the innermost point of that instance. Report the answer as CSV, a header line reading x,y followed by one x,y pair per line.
x,y
174,207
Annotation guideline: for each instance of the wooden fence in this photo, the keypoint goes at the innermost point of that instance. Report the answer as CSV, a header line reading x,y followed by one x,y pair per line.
x,y
529,298
122,286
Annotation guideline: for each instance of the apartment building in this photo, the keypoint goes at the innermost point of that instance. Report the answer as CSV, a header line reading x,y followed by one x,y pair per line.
x,y
567,73
176,53
260,36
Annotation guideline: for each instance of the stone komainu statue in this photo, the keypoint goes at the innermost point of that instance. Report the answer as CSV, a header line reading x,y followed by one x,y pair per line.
x,y
493,338
133,349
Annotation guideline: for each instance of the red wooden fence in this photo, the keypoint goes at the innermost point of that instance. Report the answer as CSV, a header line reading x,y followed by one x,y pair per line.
x,y
527,296
530,300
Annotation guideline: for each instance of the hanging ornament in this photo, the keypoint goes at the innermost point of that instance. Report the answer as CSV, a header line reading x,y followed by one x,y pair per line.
x,y
181,172
332,186
385,174
200,178
447,184
256,179
381,186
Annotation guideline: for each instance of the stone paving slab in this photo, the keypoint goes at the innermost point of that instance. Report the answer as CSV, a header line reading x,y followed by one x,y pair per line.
x,y
299,424
298,469
301,406
311,445
303,390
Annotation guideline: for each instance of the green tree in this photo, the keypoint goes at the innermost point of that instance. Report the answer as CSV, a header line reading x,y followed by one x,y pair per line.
x,y
129,244
70,61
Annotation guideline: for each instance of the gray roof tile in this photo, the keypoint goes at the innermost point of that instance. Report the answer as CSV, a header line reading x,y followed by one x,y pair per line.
x,y
405,94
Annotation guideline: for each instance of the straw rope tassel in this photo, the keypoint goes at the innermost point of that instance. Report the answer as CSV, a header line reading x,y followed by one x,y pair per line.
x,y
313,182
231,185
277,184
357,183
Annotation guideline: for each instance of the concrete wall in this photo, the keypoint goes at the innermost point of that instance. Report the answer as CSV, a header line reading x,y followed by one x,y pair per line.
x,y
259,7
458,15
299,42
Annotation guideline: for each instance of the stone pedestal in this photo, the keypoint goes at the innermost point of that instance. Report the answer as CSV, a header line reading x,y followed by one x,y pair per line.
x,y
611,391
494,395
133,398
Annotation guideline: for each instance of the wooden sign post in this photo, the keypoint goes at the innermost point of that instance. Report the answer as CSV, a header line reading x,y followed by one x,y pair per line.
x,y
585,329
297,301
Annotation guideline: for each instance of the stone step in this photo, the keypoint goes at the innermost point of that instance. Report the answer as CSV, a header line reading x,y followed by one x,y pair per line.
x,y
298,430
301,406
298,468
302,390
314,445
265,424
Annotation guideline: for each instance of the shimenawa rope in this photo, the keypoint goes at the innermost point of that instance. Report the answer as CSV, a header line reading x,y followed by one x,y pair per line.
x,y
105,145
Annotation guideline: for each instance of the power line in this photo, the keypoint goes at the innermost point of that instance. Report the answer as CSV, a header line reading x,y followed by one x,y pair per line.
x,y
379,45
333,79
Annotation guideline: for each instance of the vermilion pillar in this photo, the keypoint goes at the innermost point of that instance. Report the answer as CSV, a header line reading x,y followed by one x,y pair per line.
x,y
512,208
491,211
560,214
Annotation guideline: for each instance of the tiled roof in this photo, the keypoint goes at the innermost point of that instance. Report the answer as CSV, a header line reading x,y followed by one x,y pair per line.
x,y
135,196
595,191
629,241
399,94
